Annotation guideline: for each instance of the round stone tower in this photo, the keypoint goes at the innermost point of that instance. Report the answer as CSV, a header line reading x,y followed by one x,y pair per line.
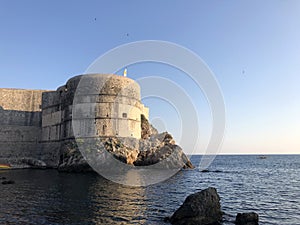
x,y
107,105
94,105
90,106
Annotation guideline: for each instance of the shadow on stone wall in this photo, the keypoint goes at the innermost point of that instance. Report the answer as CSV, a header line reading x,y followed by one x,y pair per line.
x,y
20,133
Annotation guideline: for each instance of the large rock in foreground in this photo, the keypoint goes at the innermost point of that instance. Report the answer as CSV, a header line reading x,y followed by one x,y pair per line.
x,y
247,219
201,208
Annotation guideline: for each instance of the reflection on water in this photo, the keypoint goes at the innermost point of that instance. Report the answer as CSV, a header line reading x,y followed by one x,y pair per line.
x,y
46,196
118,204
270,187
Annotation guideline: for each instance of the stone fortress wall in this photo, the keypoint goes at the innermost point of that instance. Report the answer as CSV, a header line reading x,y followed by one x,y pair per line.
x,y
105,106
20,122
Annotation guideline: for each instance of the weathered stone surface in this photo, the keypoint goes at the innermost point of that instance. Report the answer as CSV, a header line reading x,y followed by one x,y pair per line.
x,y
23,162
71,159
147,128
121,151
159,148
247,218
131,156
201,208
34,163
74,166
20,120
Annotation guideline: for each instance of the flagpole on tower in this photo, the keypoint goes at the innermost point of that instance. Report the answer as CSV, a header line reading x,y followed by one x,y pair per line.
x,y
125,72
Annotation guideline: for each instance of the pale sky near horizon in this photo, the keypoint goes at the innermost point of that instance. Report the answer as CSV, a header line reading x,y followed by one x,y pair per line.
x,y
252,47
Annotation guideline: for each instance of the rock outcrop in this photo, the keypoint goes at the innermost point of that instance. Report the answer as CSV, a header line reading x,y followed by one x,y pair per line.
x,y
158,149
71,160
247,219
161,148
147,128
201,208
24,162
8,182
74,164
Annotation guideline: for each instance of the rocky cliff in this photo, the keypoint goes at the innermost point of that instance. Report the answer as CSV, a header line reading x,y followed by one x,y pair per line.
x,y
151,149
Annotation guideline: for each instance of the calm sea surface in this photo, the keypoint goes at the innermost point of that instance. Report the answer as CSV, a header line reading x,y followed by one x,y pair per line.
x,y
270,187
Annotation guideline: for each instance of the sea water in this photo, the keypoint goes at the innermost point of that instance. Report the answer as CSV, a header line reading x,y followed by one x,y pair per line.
x,y
270,187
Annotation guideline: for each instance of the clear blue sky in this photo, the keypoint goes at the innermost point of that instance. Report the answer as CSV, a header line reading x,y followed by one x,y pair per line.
x,y
253,48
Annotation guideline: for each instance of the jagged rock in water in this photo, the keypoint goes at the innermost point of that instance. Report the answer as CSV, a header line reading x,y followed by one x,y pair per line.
x,y
152,149
161,148
24,162
8,182
74,164
71,160
247,219
34,163
201,208
157,148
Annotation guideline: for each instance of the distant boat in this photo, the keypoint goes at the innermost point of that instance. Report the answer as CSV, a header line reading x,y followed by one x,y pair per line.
x,y
262,157
5,166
